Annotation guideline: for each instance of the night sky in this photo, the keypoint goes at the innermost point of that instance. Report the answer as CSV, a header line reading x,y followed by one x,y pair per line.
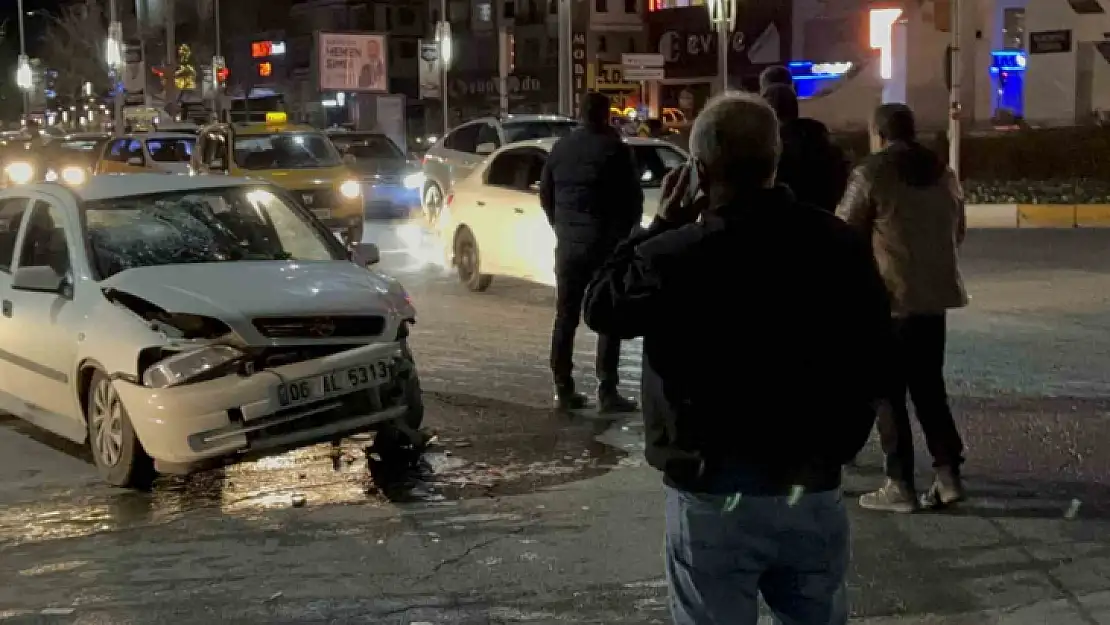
x,y
35,24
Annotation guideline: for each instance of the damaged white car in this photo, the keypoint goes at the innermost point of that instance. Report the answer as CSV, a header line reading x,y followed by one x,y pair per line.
x,y
179,322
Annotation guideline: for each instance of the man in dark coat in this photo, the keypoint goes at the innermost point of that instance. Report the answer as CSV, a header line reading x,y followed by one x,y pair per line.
x,y
590,190
811,165
760,374
775,75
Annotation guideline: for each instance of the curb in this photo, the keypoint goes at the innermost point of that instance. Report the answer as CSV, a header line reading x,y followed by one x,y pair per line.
x,y
1038,215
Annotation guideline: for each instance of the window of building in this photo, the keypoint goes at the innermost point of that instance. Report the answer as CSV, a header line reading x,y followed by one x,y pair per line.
x,y
1013,29
485,12
531,53
435,16
389,18
629,6
602,44
553,7
601,6
656,5
406,49
406,16
631,45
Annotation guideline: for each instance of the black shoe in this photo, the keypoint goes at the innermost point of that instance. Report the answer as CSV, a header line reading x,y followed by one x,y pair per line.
x,y
566,398
611,402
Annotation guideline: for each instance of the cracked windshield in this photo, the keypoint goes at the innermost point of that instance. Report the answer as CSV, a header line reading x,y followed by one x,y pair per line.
x,y
431,313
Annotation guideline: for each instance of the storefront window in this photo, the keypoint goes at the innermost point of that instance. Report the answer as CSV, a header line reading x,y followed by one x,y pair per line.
x,y
1013,29
656,5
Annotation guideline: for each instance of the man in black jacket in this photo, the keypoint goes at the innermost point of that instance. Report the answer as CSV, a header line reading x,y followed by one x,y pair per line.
x,y
766,329
590,190
811,165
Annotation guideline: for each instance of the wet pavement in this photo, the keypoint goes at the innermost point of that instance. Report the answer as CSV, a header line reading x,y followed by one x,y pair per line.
x,y
515,514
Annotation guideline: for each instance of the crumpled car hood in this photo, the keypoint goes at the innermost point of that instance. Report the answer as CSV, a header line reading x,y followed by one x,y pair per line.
x,y
241,290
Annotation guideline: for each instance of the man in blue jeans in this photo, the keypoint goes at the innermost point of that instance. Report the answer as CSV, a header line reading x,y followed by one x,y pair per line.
x,y
766,332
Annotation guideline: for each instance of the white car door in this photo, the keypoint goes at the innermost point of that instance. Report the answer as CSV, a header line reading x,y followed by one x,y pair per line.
x,y
533,238
44,343
12,212
494,202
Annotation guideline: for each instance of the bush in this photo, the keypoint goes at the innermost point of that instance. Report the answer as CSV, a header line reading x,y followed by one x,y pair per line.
x,y
1079,154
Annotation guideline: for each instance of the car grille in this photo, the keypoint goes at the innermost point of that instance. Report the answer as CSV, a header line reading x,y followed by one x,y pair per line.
x,y
319,327
318,198
279,356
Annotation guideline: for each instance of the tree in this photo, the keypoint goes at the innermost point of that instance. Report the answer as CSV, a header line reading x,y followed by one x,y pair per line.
x,y
74,46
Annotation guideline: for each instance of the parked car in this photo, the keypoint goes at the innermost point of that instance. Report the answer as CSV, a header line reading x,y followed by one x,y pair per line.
x,y
493,223
147,152
174,322
466,147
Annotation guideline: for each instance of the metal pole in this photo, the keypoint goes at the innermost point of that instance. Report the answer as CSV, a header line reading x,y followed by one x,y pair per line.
x,y
216,11
503,69
141,19
443,66
722,52
566,98
22,54
954,93
117,101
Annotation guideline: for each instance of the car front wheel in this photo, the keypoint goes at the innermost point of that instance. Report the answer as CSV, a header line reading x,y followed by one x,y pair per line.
x,y
119,456
432,203
468,262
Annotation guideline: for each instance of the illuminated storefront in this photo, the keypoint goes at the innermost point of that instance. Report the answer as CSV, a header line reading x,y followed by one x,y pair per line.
x,y
605,78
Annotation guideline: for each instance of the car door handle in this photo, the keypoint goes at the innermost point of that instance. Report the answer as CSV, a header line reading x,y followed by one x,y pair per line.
x,y
7,308
518,211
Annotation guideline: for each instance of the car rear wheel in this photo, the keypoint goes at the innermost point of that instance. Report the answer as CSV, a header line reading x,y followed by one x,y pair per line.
x,y
468,262
432,202
119,456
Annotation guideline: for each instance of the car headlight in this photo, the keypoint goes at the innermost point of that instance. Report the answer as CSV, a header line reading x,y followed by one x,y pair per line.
x,y
350,189
74,176
20,172
414,181
646,222
184,367
51,176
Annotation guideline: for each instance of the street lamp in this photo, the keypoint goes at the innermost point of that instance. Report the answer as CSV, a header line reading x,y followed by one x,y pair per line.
x,y
24,78
722,14
113,55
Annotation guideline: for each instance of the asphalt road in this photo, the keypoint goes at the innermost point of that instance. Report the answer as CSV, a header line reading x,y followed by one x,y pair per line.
x,y
525,516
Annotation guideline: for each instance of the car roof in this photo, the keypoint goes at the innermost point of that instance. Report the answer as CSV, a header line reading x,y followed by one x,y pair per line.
x,y
547,142
262,128
110,186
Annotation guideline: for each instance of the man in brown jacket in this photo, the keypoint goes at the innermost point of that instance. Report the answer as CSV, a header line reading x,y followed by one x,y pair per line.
x,y
909,204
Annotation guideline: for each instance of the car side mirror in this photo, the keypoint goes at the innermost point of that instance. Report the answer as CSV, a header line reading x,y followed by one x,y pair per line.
x,y
135,161
365,254
42,279
349,159
485,149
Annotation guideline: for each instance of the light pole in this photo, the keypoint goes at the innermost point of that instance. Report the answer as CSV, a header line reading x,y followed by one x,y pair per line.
x,y
954,93
218,65
443,38
113,54
24,78
722,14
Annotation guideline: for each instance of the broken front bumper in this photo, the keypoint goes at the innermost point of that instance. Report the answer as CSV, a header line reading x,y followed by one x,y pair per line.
x,y
191,424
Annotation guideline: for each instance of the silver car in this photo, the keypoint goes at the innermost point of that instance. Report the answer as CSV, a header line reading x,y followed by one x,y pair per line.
x,y
457,154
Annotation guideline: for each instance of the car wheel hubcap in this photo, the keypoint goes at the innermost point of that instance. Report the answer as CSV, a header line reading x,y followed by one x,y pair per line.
x,y
107,422
467,262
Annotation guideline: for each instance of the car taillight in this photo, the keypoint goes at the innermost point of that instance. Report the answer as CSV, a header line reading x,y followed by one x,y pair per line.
x,y
450,198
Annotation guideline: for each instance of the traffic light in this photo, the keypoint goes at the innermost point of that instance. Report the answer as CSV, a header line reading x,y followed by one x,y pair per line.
x,y
222,74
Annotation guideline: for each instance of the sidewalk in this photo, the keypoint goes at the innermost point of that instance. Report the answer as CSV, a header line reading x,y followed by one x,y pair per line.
x,y
1038,216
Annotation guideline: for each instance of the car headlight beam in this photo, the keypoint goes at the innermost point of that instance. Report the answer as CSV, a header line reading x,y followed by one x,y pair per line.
x,y
20,172
184,367
350,189
414,181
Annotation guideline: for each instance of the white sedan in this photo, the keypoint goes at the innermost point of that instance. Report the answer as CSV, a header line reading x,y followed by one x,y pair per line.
x,y
493,224
177,322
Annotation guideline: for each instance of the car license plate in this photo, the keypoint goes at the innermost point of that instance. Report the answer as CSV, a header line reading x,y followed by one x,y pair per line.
x,y
332,383
322,213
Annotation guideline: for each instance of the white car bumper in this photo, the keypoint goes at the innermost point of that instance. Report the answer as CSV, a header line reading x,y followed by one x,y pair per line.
x,y
190,424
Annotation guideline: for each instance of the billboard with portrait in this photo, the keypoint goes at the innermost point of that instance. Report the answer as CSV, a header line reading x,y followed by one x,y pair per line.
x,y
352,62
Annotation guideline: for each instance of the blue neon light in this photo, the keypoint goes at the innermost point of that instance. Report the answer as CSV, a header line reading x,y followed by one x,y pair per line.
x,y
811,78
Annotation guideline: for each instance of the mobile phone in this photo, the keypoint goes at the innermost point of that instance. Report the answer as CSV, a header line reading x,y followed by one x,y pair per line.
x,y
691,182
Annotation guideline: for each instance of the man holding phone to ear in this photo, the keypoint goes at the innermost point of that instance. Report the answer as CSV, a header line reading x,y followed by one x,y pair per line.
x,y
760,374
590,190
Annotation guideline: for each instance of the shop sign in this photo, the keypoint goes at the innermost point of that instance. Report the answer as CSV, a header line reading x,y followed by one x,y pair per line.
x,y
578,69
1050,42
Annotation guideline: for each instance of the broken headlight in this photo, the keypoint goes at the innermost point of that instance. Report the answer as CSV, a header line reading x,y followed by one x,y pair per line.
x,y
185,367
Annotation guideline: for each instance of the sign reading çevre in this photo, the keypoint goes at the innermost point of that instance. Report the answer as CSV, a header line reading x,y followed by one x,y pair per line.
x,y
1050,42
352,62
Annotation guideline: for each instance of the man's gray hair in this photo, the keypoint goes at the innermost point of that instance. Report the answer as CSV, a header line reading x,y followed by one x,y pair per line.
x,y
736,139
